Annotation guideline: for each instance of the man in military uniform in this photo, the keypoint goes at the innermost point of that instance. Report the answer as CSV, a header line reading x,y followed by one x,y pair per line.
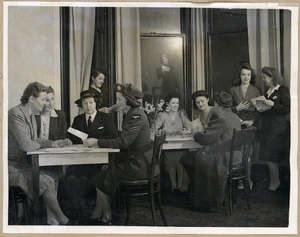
x,y
134,142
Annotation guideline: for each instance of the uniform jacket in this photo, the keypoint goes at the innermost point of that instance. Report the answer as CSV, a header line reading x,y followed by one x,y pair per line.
x,y
135,133
237,97
274,120
102,127
57,127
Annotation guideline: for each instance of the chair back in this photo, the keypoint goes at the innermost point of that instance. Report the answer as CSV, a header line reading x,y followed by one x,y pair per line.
x,y
242,140
159,139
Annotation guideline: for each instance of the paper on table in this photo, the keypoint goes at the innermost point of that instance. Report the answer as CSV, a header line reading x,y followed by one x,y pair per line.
x,y
197,125
78,133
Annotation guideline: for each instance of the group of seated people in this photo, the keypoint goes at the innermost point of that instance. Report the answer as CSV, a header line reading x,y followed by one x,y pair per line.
x,y
35,124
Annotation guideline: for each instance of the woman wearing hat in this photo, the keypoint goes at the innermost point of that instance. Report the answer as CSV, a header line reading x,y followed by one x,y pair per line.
x,y
211,162
134,142
97,125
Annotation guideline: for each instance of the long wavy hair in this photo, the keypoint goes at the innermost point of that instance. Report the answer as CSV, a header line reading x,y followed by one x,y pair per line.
x,y
246,66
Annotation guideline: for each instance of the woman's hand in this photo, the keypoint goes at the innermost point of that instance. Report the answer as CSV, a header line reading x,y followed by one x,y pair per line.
x,y
247,122
243,106
90,142
269,102
60,143
68,142
185,131
104,110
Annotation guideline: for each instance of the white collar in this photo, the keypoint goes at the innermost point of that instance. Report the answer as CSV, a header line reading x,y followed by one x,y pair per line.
x,y
271,91
92,115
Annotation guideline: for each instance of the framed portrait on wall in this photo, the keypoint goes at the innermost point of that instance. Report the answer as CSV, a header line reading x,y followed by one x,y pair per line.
x,y
163,65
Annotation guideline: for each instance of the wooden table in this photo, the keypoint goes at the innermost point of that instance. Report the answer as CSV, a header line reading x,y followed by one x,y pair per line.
x,y
74,155
180,142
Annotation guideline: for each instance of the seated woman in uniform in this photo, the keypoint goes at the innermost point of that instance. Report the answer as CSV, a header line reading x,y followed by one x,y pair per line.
x,y
23,137
174,121
208,166
97,125
134,142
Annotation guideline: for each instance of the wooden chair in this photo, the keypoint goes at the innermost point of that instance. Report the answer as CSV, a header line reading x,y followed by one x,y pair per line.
x,y
150,186
16,196
241,140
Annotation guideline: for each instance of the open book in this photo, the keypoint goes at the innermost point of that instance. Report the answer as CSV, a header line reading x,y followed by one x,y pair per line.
x,y
197,125
258,102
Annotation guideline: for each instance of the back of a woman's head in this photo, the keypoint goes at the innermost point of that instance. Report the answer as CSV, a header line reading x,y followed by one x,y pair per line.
x,y
33,89
274,74
246,66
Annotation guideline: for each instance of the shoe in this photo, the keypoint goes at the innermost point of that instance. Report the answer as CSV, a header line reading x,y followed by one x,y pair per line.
x,y
105,222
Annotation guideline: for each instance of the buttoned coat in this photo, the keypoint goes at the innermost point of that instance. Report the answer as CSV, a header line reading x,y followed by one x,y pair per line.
x,y
237,97
102,127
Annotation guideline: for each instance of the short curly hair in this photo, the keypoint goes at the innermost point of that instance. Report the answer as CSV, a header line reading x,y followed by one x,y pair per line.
x,y
33,89
246,66
197,94
272,72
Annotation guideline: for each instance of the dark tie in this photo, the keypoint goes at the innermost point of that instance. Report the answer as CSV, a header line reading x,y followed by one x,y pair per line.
x,y
90,121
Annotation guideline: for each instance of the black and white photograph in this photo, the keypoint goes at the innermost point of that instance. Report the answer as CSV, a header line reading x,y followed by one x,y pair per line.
x,y
139,118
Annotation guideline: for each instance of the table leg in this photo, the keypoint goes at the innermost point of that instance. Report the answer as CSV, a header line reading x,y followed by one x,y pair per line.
x,y
36,187
112,168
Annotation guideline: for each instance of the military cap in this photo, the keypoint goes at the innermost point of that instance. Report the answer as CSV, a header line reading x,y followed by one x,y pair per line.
x,y
86,94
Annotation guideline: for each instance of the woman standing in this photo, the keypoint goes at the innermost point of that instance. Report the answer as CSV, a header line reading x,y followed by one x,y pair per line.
x,y
275,127
134,143
22,137
242,93
208,166
174,121
97,80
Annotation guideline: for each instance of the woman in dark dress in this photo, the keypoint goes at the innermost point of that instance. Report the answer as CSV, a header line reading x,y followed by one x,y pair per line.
x,y
275,129
134,143
97,80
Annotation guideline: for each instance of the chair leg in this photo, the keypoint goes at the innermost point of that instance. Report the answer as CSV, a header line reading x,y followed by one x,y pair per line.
x,y
161,209
153,208
14,208
230,196
246,193
127,209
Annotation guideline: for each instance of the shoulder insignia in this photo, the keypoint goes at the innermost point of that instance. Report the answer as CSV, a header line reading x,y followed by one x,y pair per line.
x,y
131,129
135,116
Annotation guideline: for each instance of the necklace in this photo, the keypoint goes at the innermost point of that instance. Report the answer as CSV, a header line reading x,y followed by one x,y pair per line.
x,y
45,124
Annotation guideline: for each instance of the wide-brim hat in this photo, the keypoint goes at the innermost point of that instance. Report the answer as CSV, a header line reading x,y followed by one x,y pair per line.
x,y
86,94
128,90
223,99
